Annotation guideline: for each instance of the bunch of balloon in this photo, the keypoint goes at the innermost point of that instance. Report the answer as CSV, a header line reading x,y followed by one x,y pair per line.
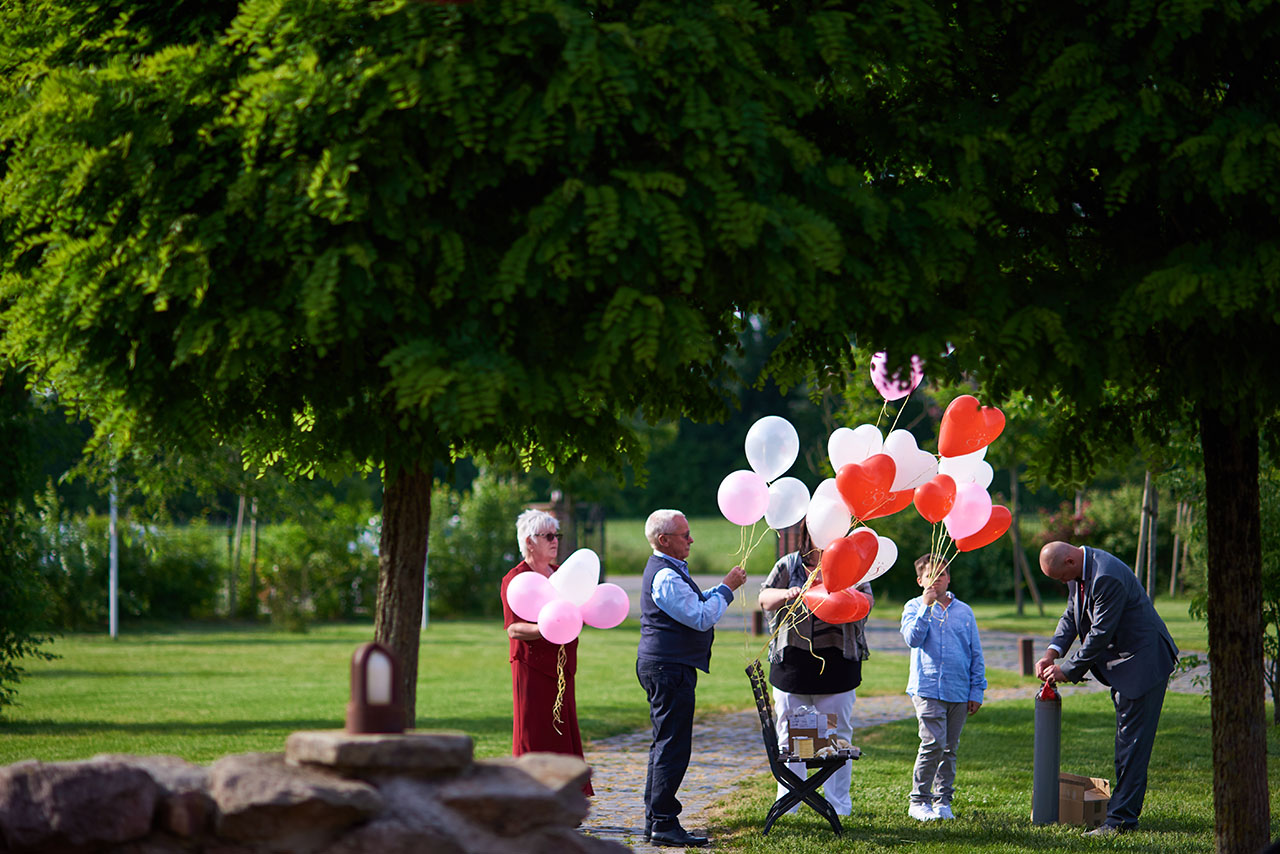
x,y
572,596
748,495
561,604
875,476
957,495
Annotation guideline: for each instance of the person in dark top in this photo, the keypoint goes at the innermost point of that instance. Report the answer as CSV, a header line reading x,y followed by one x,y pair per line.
x,y
813,663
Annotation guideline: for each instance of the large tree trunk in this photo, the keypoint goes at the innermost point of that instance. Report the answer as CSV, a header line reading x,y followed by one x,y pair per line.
x,y
1241,811
406,518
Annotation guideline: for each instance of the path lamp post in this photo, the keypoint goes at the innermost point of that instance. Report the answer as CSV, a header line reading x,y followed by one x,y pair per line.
x,y
375,705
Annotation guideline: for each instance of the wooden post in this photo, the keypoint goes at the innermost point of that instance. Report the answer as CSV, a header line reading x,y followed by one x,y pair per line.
x,y
251,607
1153,525
1016,539
234,577
1142,527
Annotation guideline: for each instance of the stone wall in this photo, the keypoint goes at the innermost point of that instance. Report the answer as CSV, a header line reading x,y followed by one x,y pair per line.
x,y
328,793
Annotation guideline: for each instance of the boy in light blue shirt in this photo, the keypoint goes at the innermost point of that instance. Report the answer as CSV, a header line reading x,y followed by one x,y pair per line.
x,y
946,685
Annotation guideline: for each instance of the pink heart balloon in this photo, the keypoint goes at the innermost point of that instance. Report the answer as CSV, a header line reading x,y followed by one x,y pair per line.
x,y
896,386
970,512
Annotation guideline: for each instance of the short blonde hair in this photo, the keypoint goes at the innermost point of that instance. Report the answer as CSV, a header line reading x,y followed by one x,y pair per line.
x,y
660,522
530,524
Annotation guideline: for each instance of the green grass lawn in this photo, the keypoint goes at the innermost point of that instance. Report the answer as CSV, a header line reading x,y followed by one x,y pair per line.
x,y
204,692
201,693
993,787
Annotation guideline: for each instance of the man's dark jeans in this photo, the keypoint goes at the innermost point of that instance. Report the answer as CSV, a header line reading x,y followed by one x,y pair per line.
x,y
670,688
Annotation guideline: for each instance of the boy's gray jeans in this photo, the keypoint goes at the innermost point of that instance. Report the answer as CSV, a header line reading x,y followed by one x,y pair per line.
x,y
933,781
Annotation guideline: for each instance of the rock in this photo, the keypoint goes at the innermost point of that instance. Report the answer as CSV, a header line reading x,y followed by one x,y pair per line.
x,y
564,775
507,800
375,755
185,807
412,822
562,840
66,805
298,809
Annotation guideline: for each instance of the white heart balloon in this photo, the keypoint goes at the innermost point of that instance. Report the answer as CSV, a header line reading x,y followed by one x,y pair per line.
x,y
914,466
577,577
970,468
827,521
772,446
853,446
788,502
886,557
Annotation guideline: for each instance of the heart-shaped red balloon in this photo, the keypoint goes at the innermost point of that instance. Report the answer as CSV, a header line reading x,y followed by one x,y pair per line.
x,y
846,560
899,500
968,427
992,531
935,499
865,486
842,606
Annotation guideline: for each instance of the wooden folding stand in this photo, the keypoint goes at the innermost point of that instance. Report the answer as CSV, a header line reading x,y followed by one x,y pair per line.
x,y
799,789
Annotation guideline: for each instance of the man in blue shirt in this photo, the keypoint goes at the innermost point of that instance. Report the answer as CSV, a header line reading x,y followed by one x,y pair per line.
x,y
948,678
676,620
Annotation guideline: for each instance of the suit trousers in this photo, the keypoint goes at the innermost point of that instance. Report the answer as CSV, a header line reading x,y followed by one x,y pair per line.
x,y
1136,721
836,789
670,689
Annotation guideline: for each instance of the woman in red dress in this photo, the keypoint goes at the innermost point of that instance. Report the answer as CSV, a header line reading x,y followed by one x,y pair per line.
x,y
534,679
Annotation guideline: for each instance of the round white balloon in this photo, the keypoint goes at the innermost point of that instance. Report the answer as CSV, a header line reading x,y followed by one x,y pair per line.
x,y
853,446
788,502
577,577
827,521
772,446
828,490
914,466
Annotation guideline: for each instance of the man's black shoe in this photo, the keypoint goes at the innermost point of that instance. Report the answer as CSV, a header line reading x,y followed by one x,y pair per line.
x,y
648,831
678,837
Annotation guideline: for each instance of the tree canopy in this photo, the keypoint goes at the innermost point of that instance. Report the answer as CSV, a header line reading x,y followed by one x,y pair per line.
x,y
348,233
1114,163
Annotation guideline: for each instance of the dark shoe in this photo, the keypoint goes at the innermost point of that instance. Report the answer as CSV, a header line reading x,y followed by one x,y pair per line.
x,y
678,837
648,831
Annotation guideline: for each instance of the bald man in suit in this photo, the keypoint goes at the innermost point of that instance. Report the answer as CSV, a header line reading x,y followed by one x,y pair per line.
x,y
1126,646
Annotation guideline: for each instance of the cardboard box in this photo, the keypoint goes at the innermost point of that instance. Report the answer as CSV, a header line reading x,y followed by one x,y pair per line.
x,y
817,728
1082,800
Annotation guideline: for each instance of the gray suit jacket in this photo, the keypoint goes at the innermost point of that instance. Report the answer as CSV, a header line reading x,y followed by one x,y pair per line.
x,y
1123,641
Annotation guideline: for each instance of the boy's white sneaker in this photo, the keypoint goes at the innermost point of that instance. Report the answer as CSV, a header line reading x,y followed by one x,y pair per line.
x,y
922,812
943,811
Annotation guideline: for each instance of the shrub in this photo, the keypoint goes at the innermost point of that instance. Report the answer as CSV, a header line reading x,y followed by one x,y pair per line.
x,y
323,567
472,545
23,603
162,573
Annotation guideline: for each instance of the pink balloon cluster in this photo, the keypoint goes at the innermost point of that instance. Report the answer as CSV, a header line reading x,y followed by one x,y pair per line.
x,y
570,597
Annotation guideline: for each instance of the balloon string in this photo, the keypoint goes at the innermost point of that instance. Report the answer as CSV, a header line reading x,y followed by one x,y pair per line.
x,y
560,688
793,614
790,615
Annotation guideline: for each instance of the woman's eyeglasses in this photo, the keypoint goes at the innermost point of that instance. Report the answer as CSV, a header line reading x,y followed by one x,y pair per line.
x,y
551,536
